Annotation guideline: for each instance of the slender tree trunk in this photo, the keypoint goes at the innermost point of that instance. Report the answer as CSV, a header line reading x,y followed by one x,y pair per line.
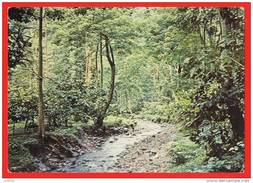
x,y
86,67
200,34
13,128
222,17
110,58
204,34
101,63
46,51
90,68
220,31
209,34
96,65
158,75
41,101
129,105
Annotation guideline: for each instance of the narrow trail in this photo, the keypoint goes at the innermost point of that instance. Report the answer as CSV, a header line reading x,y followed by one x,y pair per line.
x,y
141,150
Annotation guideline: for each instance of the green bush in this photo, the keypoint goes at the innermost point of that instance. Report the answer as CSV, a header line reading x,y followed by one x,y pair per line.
x,y
155,111
232,161
20,158
167,111
186,156
119,121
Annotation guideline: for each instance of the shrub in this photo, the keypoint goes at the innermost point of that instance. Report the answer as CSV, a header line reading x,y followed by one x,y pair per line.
x,y
186,156
155,111
119,121
232,161
20,158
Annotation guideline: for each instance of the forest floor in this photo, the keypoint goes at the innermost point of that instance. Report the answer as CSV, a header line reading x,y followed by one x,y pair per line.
x,y
142,149
149,154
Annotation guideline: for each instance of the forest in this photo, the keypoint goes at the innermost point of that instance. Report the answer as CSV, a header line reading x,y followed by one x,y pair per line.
x,y
125,89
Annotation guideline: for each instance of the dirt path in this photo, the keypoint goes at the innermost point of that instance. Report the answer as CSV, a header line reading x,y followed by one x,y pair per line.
x,y
141,150
148,155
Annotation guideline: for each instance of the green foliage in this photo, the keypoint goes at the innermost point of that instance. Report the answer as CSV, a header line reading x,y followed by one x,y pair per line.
x,y
186,156
18,40
155,111
17,44
169,110
71,132
20,158
67,103
232,161
114,121
22,100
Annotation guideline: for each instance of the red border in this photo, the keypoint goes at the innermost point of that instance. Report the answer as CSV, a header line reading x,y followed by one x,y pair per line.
x,y
7,174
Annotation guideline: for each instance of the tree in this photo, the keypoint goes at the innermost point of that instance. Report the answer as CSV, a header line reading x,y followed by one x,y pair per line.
x,y
41,124
110,59
18,41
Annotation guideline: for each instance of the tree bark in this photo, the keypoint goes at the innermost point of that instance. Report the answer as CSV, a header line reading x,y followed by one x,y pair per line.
x,y
237,122
129,105
110,58
88,68
235,113
222,24
96,65
46,51
41,101
204,34
101,62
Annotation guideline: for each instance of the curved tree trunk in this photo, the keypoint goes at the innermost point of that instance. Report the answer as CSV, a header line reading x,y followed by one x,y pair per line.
x,y
110,58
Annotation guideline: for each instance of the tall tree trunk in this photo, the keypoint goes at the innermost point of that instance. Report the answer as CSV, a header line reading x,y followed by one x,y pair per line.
x,y
110,58
46,50
101,62
235,113
41,101
96,65
222,17
129,104
204,34
85,76
88,66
